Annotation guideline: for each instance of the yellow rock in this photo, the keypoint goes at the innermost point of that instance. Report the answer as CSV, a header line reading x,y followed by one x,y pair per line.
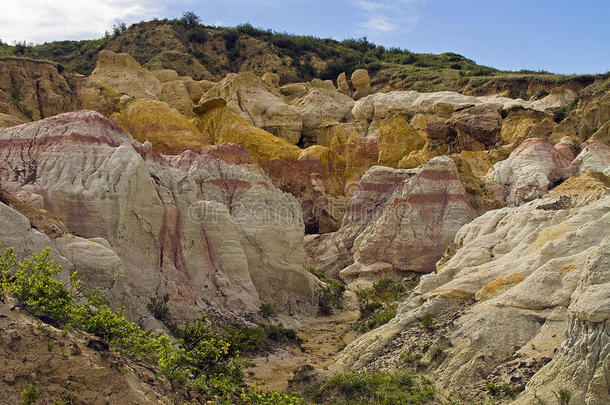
x,y
583,188
472,166
602,134
333,164
358,153
498,286
124,74
396,139
516,125
221,125
166,129
419,157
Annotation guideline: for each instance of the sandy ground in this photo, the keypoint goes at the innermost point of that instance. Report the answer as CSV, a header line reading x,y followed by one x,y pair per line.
x,y
323,337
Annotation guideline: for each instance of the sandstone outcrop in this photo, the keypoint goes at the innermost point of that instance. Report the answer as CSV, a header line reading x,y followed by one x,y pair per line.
x,y
591,113
594,157
261,105
124,74
194,230
443,103
403,218
320,105
528,173
166,129
342,85
177,94
272,79
183,63
362,83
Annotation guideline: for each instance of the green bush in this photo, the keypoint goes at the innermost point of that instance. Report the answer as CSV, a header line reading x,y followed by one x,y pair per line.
x,y
197,35
29,395
375,388
427,321
492,388
266,310
158,309
189,18
329,296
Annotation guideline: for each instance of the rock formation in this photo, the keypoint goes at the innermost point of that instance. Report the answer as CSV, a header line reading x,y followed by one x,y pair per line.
x,y
362,83
261,105
519,284
32,90
194,230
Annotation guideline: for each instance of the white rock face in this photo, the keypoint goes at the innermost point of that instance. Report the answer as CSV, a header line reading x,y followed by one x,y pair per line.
x,y
191,229
524,282
381,105
594,157
262,105
528,173
319,106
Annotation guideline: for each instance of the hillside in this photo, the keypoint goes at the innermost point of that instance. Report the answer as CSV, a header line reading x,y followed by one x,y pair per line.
x,y
211,52
211,215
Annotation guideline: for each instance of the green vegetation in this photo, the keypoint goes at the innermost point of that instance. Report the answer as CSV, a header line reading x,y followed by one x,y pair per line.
x,y
199,359
427,321
29,395
378,304
158,309
329,296
266,310
375,387
563,396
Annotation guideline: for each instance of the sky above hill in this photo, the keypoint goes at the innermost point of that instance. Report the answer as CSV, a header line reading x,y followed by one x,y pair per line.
x,y
561,36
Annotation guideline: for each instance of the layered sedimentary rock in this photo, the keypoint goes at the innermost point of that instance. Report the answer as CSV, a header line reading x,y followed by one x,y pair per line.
x,y
518,287
320,105
193,230
528,173
404,218
253,100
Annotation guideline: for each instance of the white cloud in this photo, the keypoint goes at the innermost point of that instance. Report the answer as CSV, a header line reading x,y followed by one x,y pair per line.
x,y
379,23
48,20
382,17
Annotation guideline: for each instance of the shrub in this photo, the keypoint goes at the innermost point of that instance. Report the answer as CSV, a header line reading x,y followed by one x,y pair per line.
x,y
266,310
197,35
33,283
427,321
118,29
329,297
30,394
492,389
319,273
158,309
564,396
189,18
376,387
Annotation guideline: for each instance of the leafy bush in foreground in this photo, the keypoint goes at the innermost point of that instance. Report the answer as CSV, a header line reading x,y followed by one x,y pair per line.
x,y
375,388
199,360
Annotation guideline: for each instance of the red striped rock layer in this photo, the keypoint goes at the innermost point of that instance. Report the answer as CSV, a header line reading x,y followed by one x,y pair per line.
x,y
404,218
193,230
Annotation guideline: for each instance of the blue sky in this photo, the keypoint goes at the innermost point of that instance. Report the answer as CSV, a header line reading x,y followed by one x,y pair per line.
x,y
562,36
